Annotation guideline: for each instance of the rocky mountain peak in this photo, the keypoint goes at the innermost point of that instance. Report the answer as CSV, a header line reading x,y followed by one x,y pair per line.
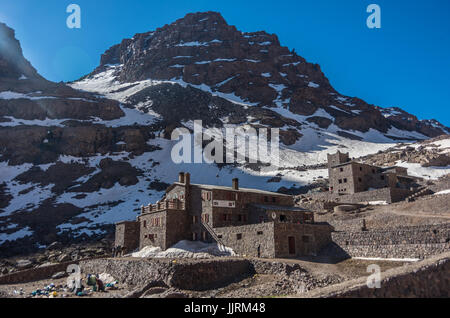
x,y
12,63
203,51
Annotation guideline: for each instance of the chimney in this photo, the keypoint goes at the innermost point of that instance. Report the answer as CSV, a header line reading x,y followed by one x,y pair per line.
x,y
187,178
235,184
181,177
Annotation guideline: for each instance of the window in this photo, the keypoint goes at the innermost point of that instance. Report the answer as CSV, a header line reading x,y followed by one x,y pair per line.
x,y
340,181
359,179
382,177
145,223
345,180
274,199
341,169
360,168
260,233
261,219
283,218
219,236
266,199
373,171
305,239
240,218
239,236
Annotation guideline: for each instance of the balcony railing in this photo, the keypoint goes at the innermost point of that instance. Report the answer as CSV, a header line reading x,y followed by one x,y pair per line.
x,y
164,205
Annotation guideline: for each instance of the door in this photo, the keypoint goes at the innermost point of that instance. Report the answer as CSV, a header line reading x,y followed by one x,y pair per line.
x,y
291,245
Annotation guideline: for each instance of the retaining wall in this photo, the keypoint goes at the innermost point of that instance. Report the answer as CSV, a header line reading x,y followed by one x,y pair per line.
x,y
182,274
389,195
425,279
34,274
406,242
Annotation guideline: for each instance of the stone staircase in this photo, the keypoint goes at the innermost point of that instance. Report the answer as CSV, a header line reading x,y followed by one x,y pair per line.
x,y
420,193
213,234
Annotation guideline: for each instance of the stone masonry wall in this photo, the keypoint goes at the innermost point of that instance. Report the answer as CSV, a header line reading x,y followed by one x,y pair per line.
x,y
127,236
182,274
35,274
407,242
252,236
425,279
309,239
389,195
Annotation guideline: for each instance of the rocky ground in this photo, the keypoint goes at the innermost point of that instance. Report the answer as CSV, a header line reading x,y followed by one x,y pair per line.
x,y
433,152
56,253
276,282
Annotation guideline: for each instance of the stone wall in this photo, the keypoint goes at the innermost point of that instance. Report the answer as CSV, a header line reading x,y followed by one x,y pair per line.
x,y
273,239
425,279
251,236
177,222
35,274
389,195
404,242
153,229
127,236
308,239
182,274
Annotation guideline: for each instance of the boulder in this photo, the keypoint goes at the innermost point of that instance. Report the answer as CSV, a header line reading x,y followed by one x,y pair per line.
x,y
59,275
345,208
24,264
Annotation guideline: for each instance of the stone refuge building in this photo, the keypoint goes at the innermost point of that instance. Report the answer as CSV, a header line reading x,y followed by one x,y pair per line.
x,y
367,182
252,222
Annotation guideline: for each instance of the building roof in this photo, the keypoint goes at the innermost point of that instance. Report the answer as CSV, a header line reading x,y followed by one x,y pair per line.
x,y
352,162
279,207
216,187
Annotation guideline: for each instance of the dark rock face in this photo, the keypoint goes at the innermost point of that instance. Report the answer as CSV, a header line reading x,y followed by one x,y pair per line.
x,y
62,175
112,172
43,99
60,108
12,62
42,145
202,49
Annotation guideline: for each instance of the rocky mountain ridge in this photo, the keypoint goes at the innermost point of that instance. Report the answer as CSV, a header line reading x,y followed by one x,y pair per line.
x,y
202,50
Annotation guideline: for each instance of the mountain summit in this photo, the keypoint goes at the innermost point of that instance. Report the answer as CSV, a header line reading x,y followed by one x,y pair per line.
x,y
202,50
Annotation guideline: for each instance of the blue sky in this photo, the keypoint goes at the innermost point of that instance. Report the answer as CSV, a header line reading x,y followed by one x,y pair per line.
x,y
405,63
